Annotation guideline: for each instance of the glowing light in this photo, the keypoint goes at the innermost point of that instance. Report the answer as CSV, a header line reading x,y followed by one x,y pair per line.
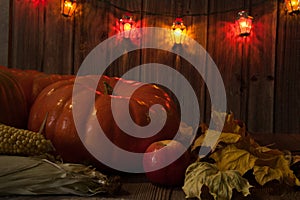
x,y
178,31
244,23
126,24
292,6
68,7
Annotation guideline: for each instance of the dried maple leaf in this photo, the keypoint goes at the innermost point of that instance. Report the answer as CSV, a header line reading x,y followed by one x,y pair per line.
x,y
276,167
230,124
212,137
232,158
295,159
219,183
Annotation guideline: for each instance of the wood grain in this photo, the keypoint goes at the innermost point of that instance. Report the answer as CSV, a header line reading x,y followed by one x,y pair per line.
x,y
4,36
261,67
226,49
287,82
27,35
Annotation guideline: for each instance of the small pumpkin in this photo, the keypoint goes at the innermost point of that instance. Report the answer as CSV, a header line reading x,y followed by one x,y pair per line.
x,y
55,101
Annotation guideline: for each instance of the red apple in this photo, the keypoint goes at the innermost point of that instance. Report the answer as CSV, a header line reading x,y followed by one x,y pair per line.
x,y
165,163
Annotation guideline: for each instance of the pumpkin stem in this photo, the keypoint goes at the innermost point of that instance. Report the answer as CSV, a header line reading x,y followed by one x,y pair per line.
x,y
108,90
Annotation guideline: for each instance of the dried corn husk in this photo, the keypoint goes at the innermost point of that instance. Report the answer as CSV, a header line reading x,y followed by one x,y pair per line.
x,y
34,176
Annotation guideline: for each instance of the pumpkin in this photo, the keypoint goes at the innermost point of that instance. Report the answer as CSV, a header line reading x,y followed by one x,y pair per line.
x,y
13,105
55,101
42,81
33,82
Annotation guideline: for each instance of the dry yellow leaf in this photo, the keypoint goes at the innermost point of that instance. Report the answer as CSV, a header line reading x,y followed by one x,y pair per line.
x,y
212,137
276,167
232,158
220,183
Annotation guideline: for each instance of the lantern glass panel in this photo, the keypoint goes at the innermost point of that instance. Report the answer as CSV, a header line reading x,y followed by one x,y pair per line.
x,y
126,24
292,5
68,7
244,23
178,31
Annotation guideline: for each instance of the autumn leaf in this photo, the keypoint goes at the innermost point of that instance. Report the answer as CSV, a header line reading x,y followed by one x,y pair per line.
x,y
219,183
233,149
232,158
212,137
229,138
295,159
232,131
276,167
230,124
264,174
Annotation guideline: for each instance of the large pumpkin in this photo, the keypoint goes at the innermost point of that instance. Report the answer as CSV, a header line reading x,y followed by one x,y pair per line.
x,y
13,104
55,101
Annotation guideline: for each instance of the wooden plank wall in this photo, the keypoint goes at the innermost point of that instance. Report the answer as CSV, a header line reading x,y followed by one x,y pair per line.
x,y
261,72
4,27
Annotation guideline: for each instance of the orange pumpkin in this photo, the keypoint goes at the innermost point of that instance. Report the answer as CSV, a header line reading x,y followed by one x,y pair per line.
x,y
55,101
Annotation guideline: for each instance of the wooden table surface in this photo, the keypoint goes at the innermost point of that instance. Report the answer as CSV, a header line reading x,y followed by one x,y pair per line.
x,y
137,187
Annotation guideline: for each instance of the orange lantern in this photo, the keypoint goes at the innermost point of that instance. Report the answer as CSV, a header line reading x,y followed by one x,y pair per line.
x,y
243,23
292,6
178,31
68,7
126,24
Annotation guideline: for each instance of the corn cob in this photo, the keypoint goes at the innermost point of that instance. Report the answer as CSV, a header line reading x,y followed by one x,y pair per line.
x,y
14,141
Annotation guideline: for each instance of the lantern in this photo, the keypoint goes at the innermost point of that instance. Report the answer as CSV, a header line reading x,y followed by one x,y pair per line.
x,y
126,24
292,6
243,23
178,31
68,7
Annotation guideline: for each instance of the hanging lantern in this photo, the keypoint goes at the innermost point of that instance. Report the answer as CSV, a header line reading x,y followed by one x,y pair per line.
x,y
126,24
178,31
292,6
68,7
243,23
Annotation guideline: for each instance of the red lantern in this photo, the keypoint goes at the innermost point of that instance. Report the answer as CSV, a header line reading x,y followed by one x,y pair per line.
x,y
178,31
126,25
68,7
292,6
243,23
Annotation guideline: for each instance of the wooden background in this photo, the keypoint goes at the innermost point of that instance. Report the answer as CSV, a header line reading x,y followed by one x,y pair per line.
x,y
261,72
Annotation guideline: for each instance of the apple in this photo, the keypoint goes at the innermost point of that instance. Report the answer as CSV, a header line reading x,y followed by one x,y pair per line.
x,y
165,163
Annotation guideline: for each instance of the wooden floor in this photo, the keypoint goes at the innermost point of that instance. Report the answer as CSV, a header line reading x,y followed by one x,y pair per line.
x,y
137,186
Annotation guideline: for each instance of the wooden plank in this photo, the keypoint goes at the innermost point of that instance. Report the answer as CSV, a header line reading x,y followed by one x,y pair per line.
x,y
155,14
91,28
226,49
4,36
27,35
287,95
128,60
196,20
58,41
261,65
99,21
161,14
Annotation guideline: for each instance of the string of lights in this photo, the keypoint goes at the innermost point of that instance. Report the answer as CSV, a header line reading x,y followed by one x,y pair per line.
x,y
187,14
